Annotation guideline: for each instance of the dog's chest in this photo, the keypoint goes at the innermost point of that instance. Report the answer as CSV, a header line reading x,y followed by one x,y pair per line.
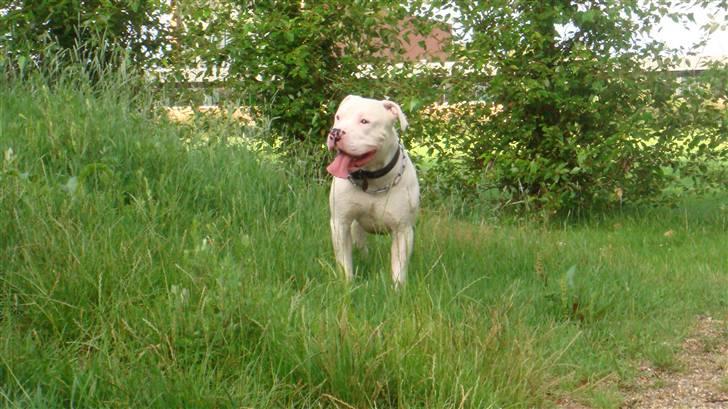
x,y
376,220
382,213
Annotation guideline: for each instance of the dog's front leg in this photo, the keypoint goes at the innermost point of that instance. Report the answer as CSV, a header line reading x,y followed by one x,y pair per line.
x,y
341,237
402,243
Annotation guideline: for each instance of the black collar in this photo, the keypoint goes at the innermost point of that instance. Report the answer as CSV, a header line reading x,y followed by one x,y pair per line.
x,y
362,174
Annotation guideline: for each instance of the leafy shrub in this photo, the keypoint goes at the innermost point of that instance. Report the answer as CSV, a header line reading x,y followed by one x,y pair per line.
x,y
134,25
295,59
580,121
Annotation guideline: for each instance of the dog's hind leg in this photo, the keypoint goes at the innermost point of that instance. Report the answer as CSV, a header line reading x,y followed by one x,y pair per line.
x,y
359,237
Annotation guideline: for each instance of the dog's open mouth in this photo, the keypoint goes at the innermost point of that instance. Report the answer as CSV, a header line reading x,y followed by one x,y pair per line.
x,y
345,163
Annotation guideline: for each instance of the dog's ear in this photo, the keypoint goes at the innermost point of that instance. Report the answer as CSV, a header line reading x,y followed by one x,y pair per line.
x,y
392,107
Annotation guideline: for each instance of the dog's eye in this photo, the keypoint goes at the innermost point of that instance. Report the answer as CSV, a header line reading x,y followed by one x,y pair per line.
x,y
337,117
364,121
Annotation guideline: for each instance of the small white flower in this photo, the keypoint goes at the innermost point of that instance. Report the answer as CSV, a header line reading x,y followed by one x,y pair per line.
x,y
9,155
71,186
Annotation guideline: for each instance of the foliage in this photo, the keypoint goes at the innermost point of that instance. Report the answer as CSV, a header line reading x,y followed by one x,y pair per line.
x,y
295,59
137,26
577,111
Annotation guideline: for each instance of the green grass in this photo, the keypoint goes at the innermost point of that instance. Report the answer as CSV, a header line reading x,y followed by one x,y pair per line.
x,y
136,271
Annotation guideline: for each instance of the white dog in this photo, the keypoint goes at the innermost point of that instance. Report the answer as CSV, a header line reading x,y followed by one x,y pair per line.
x,y
375,188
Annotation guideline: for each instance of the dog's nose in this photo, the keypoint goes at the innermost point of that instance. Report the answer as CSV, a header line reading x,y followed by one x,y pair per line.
x,y
335,134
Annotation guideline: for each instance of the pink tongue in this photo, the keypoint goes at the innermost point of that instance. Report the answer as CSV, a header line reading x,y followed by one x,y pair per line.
x,y
340,166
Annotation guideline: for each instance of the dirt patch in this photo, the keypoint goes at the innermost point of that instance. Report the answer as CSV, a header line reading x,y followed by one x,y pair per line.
x,y
702,381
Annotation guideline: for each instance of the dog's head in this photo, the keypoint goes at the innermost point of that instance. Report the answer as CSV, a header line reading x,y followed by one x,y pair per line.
x,y
363,134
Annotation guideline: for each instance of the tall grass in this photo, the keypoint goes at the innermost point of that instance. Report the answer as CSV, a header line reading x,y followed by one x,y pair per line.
x,y
137,270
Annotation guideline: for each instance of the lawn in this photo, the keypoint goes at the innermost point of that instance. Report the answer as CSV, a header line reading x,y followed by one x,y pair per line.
x,y
139,270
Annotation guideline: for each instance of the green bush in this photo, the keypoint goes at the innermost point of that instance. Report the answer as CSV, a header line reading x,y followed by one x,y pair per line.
x,y
295,60
574,119
27,27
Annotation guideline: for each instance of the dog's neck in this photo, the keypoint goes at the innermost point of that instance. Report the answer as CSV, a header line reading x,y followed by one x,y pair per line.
x,y
379,180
